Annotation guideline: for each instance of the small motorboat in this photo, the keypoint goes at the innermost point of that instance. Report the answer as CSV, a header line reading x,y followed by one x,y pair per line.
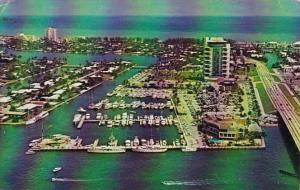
x,y
57,169
81,110
288,173
28,152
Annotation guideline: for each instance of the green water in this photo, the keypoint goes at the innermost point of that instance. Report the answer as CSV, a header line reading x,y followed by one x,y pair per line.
x,y
213,170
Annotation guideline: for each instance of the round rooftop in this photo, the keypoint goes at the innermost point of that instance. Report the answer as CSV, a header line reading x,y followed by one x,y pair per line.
x,y
296,44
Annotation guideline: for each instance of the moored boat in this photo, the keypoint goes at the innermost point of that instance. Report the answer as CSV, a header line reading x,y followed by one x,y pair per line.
x,y
77,118
36,118
29,152
81,110
107,149
189,149
149,149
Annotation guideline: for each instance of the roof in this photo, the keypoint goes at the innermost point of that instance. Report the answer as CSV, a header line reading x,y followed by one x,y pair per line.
x,y
77,84
254,127
12,113
227,124
22,91
28,106
59,92
291,60
53,97
5,99
215,40
296,43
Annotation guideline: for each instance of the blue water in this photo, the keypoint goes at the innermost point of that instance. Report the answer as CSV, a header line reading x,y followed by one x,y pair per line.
x,y
240,28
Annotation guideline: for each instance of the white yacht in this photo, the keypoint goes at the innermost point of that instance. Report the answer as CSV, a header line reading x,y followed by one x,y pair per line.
x,y
56,169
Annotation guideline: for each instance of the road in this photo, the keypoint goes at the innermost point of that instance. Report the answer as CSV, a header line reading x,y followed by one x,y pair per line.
x,y
280,102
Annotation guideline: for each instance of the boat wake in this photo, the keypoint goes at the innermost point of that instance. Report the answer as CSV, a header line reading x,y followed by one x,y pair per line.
x,y
194,183
54,179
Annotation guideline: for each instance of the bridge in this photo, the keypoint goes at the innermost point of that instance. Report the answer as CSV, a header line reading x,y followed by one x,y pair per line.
x,y
280,102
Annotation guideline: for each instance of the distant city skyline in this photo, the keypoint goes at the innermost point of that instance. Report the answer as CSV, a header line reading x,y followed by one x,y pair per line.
x,y
152,7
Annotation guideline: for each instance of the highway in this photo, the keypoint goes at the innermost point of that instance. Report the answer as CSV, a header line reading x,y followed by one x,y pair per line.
x,y
280,102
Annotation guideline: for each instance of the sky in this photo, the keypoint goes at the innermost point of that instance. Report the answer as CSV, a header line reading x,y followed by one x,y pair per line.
x,y
152,7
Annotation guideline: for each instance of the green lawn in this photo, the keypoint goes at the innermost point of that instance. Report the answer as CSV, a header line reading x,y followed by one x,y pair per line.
x,y
266,102
254,74
289,96
256,79
253,71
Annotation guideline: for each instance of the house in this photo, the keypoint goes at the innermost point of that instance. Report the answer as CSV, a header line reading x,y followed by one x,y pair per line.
x,y
4,101
31,109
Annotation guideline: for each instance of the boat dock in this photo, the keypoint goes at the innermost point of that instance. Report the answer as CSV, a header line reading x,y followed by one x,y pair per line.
x,y
168,147
88,147
106,104
125,120
65,143
81,122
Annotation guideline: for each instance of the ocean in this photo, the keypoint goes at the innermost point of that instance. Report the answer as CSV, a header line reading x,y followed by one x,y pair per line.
x,y
260,28
205,170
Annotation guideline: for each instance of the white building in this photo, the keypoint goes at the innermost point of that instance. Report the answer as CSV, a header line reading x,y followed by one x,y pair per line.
x,y
52,35
296,46
216,57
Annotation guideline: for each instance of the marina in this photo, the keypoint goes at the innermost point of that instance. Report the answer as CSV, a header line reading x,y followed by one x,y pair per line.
x,y
125,120
105,104
148,102
64,143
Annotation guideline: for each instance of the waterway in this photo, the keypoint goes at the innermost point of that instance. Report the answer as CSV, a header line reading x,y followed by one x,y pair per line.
x,y
209,170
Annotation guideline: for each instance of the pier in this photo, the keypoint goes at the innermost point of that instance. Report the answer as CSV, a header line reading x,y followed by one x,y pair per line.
x,y
189,131
81,122
183,148
126,120
84,148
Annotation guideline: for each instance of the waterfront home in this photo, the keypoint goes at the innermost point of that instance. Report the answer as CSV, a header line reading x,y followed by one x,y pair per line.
x,y
4,101
59,92
92,80
3,117
31,109
76,85
26,93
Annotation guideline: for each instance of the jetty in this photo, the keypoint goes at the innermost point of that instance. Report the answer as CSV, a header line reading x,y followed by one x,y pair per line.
x,y
81,122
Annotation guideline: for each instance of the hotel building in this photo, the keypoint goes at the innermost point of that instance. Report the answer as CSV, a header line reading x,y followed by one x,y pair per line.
x,y
52,35
216,57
